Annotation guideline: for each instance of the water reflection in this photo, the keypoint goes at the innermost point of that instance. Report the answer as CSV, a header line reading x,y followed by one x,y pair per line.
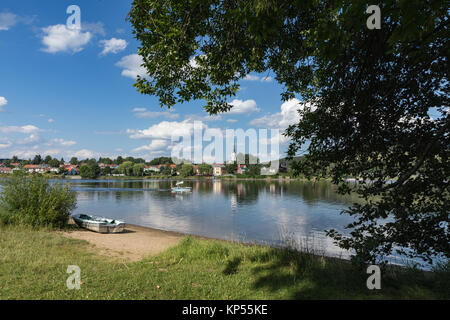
x,y
272,212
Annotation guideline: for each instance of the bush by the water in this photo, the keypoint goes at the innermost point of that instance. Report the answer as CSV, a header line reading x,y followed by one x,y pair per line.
x,y
36,202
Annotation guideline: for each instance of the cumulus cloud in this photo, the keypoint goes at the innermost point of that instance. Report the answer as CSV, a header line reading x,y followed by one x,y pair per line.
x,y
266,79
196,117
113,45
7,20
62,142
144,113
132,66
240,106
31,139
193,63
289,115
84,154
252,77
60,38
3,102
15,129
155,145
94,28
5,145
165,130
23,154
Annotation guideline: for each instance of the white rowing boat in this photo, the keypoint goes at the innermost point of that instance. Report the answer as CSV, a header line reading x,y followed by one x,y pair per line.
x,y
179,188
98,224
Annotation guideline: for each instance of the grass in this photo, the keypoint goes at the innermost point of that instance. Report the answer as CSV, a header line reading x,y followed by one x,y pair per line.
x,y
33,265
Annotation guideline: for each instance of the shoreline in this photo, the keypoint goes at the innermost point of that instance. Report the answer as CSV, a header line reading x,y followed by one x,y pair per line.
x,y
136,242
131,244
191,268
176,178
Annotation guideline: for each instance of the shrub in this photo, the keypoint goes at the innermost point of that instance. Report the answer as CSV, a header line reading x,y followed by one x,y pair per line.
x,y
35,202
89,171
187,170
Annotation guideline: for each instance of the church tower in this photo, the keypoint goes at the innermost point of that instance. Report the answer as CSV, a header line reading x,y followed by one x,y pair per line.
x,y
233,154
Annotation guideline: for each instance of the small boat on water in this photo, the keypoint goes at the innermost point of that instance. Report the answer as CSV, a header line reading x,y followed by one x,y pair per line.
x,y
179,188
98,224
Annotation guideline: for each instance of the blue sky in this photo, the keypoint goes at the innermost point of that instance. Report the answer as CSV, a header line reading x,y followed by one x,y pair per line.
x,y
70,92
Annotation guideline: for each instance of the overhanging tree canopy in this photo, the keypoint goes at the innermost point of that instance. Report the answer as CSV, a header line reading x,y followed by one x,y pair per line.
x,y
381,97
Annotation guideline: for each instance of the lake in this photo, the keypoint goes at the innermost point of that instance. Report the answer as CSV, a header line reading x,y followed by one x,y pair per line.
x,y
271,212
275,212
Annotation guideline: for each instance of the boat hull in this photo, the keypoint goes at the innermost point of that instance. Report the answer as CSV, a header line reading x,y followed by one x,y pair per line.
x,y
99,226
180,189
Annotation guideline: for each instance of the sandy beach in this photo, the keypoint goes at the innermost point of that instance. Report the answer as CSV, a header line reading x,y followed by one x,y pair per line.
x,y
132,245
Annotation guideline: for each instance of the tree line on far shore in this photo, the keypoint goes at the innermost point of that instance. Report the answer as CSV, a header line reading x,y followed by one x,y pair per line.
x,y
135,167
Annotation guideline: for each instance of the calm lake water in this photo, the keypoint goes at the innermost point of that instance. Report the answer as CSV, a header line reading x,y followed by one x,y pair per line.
x,y
272,212
251,211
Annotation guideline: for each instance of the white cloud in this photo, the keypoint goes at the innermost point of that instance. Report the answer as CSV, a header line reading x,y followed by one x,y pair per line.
x,y
24,129
52,152
50,120
84,154
289,115
31,139
156,144
165,130
23,154
240,106
7,20
231,120
64,143
5,145
266,79
94,28
144,113
252,77
59,38
3,102
193,63
132,66
113,45
207,117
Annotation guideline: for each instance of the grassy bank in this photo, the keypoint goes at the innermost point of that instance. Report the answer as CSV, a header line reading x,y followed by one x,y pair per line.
x,y
33,265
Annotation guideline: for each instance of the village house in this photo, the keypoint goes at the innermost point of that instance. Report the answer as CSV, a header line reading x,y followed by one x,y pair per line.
x,y
196,172
242,169
50,169
70,169
150,169
5,170
33,168
275,168
218,169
